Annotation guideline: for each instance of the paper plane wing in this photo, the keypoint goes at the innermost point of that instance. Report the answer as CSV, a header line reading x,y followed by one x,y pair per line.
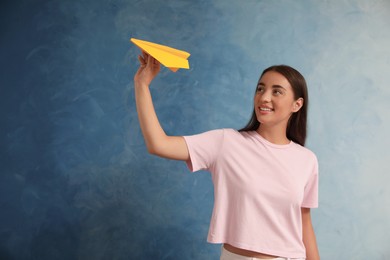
x,y
172,58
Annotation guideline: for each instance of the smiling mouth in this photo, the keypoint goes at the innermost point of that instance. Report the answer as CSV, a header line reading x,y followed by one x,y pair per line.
x,y
265,109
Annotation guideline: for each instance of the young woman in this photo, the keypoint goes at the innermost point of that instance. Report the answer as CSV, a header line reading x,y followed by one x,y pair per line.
x,y
265,180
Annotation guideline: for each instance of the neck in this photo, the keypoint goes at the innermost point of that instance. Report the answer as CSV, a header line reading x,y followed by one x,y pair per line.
x,y
275,135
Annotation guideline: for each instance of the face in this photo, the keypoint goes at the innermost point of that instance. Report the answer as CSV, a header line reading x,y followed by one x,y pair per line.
x,y
274,100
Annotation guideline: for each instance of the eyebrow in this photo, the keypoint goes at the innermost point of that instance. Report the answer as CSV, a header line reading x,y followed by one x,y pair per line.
x,y
273,86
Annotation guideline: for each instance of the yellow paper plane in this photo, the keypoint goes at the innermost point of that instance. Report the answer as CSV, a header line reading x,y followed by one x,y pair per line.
x,y
172,58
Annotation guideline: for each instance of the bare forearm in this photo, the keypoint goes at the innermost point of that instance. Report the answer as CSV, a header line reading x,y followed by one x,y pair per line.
x,y
157,142
149,123
311,246
309,239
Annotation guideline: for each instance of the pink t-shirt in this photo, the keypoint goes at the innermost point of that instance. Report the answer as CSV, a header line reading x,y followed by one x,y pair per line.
x,y
259,189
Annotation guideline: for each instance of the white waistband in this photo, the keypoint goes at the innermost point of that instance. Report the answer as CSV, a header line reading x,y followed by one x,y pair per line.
x,y
227,255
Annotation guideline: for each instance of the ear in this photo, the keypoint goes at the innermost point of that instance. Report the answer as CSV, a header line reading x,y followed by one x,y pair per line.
x,y
297,104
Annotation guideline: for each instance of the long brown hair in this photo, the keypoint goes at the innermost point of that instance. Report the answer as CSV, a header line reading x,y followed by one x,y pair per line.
x,y
297,124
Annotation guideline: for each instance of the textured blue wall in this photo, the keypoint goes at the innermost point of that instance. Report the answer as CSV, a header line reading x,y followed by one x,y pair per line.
x,y
76,181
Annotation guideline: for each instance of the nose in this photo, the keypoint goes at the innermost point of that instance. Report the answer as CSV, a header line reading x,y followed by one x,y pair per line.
x,y
266,97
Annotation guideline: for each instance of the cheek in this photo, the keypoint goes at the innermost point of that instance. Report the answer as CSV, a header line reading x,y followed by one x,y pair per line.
x,y
283,108
286,104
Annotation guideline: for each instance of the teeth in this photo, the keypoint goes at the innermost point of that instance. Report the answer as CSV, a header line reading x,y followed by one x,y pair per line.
x,y
265,109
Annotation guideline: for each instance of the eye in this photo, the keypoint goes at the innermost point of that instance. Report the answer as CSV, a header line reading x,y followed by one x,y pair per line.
x,y
260,89
277,92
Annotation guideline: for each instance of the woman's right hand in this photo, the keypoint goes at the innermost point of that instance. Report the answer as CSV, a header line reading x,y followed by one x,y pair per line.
x,y
157,142
148,70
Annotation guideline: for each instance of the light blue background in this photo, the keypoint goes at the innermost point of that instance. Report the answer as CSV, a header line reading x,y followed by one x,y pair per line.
x,y
76,181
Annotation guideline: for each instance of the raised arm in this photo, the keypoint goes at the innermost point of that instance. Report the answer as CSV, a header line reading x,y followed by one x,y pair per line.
x,y
157,142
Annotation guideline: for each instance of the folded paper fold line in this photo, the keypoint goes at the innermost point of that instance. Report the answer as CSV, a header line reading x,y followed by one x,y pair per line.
x,y
171,58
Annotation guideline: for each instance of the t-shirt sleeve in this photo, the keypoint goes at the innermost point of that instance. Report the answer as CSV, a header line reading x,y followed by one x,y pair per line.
x,y
310,197
203,149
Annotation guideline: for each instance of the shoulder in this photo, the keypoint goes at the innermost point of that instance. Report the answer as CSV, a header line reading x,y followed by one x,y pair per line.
x,y
305,159
230,131
233,134
223,135
306,152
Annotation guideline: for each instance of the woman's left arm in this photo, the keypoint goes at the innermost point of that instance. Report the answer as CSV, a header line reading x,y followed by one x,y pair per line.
x,y
309,238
